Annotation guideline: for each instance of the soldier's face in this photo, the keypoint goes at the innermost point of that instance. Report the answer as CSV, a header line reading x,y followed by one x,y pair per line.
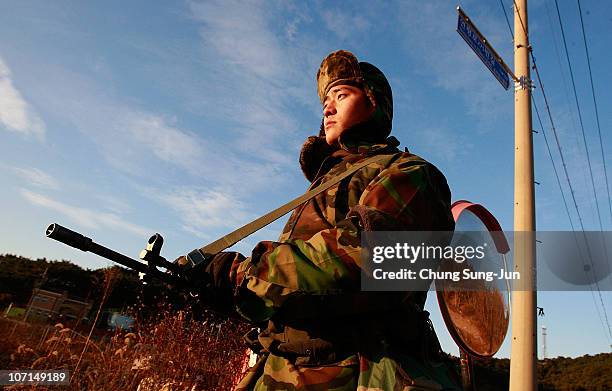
x,y
344,106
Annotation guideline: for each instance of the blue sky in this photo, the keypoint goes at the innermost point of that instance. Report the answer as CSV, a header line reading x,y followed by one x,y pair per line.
x,y
186,118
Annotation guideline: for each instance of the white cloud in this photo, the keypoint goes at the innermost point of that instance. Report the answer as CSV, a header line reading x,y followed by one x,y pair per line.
x,y
242,89
166,142
16,114
239,33
134,138
151,146
259,73
291,29
249,77
112,203
204,210
209,214
86,217
36,177
432,42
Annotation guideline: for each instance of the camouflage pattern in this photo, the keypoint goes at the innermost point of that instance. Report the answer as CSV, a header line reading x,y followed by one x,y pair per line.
x,y
339,67
317,260
355,373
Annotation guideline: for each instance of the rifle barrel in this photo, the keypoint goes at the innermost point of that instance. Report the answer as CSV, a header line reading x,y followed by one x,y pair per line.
x,y
76,240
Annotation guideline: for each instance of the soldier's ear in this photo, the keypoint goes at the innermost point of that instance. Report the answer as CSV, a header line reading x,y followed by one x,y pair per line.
x,y
371,97
370,103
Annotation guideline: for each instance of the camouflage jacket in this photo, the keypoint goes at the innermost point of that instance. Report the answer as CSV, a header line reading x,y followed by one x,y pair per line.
x,y
324,333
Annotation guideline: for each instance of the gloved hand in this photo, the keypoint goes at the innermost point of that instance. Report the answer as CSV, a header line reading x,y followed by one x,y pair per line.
x,y
215,284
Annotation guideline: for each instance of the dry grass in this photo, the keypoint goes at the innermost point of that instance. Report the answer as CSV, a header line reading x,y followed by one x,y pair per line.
x,y
172,352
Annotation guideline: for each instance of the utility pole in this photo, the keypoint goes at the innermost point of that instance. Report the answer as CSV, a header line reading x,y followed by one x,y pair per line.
x,y
524,333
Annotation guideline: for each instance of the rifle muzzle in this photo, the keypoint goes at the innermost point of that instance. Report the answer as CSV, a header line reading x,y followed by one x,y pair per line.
x,y
69,237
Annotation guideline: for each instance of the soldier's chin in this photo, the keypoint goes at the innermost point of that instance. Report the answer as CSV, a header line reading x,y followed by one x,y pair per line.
x,y
331,137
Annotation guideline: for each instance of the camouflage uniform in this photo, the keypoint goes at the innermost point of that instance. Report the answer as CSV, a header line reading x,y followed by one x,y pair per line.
x,y
322,332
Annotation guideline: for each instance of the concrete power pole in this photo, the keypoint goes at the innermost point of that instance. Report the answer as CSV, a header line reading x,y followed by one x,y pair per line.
x,y
524,333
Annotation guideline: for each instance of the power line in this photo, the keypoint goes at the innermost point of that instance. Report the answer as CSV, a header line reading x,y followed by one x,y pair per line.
x,y
581,123
609,329
507,20
567,100
553,162
535,67
586,147
603,159
568,214
564,78
544,131
521,20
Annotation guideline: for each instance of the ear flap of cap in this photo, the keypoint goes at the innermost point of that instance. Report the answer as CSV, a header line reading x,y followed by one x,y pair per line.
x,y
377,86
340,67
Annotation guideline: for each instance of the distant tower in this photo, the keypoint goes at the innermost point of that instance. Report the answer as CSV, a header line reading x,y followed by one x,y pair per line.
x,y
543,342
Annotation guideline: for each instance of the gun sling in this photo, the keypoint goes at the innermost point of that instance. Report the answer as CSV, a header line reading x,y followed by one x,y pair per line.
x,y
201,255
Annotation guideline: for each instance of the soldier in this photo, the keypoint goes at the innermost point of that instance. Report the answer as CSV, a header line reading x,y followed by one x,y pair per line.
x,y
320,331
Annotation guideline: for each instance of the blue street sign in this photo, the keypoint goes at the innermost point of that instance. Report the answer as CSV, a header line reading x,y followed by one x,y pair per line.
x,y
481,47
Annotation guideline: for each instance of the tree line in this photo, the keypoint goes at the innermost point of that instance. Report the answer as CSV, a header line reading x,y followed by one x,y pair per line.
x,y
20,275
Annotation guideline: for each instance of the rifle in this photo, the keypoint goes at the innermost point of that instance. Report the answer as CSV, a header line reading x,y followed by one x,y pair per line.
x,y
148,267
197,258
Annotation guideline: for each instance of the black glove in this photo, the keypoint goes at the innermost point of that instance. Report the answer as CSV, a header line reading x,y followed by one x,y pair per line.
x,y
213,279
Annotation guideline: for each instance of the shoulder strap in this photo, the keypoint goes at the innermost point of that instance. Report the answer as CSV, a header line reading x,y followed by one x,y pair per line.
x,y
198,256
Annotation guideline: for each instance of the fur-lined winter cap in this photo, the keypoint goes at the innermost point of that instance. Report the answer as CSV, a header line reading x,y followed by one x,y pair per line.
x,y
339,67
342,67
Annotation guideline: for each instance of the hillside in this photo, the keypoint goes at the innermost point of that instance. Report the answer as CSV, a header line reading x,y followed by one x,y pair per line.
x,y
586,373
19,275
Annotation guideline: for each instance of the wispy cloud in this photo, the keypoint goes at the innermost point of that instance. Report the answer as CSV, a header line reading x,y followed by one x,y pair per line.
x,y
113,203
250,142
250,79
16,114
345,25
238,31
140,142
85,217
259,70
204,210
133,141
36,177
168,143
152,140
432,42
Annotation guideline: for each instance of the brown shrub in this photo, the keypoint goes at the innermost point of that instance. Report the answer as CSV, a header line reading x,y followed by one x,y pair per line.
x,y
173,352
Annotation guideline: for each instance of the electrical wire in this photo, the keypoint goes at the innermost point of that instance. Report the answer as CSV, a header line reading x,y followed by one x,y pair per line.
x,y
609,329
599,315
507,20
564,77
552,162
603,159
586,147
535,67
